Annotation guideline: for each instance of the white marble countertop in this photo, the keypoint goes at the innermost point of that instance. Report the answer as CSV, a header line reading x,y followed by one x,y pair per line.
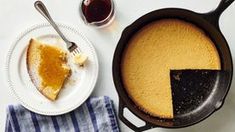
x,y
18,15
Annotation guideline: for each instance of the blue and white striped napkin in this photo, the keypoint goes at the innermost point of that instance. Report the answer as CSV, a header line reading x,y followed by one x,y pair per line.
x,y
95,115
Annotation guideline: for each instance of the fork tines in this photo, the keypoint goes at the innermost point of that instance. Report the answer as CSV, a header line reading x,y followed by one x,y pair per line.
x,y
75,51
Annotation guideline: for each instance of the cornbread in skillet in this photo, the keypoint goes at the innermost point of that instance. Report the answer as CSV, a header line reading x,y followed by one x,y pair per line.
x,y
159,47
47,67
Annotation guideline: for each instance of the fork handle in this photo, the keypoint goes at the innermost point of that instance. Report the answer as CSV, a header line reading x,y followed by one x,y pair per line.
x,y
41,8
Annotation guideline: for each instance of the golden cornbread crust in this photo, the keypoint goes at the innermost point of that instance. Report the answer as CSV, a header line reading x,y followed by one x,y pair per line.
x,y
47,68
161,46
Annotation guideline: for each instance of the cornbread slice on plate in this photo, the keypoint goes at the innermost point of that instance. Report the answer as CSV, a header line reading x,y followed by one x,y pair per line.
x,y
47,67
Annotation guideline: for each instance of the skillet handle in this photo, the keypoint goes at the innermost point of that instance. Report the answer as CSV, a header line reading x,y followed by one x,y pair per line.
x,y
224,4
213,16
128,123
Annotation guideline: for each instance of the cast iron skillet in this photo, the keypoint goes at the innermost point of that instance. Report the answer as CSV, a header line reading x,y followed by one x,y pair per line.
x,y
209,22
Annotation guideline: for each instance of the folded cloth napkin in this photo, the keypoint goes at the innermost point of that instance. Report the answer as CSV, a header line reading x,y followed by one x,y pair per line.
x,y
95,115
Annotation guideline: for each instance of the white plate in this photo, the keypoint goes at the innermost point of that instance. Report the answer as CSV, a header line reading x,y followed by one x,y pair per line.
x,y
76,90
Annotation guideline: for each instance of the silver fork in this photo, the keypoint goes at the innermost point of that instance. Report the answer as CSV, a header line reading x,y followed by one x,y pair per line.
x,y
72,47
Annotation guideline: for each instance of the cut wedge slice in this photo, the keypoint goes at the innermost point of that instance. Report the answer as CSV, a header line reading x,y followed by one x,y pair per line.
x,y
47,67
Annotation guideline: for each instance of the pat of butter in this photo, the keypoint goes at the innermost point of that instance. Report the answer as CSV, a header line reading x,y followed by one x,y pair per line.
x,y
80,59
